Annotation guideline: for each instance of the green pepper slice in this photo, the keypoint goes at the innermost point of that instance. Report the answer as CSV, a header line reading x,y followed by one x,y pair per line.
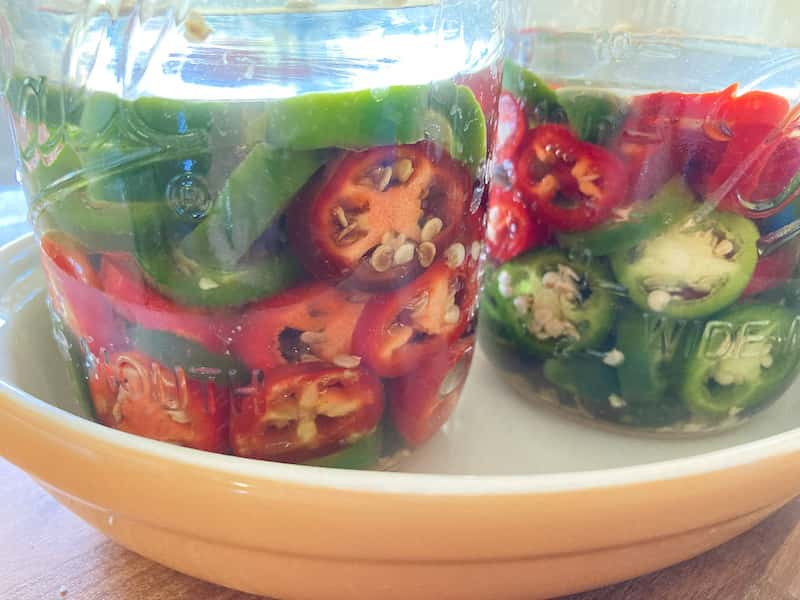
x,y
552,304
693,269
642,220
100,226
540,103
598,392
173,351
584,376
188,282
70,349
362,454
595,116
447,114
256,193
745,358
650,345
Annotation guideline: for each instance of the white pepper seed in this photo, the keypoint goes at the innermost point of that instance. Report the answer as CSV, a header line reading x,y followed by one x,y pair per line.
x,y
658,300
431,229
723,248
455,255
403,169
404,254
346,361
452,315
381,259
426,252
614,358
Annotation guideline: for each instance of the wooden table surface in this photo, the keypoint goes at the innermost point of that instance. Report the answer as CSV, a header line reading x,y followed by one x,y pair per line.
x,y
47,553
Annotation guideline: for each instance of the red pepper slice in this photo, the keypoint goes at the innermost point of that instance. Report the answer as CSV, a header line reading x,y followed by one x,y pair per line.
x,y
367,213
511,127
299,412
420,403
773,269
511,230
137,302
132,392
570,185
754,123
312,322
666,133
75,292
648,161
399,330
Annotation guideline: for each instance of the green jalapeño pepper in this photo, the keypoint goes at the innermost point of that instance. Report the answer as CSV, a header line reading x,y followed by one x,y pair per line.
x,y
444,113
100,226
540,103
595,116
745,358
551,304
256,193
69,347
173,351
363,454
693,269
648,346
189,282
640,221
584,376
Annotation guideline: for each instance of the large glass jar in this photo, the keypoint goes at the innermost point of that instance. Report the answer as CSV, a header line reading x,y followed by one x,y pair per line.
x,y
643,220
261,222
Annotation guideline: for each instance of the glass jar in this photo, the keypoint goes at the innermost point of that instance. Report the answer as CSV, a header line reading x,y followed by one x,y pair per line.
x,y
643,219
258,219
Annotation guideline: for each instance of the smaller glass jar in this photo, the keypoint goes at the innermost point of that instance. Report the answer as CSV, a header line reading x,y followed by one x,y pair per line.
x,y
643,219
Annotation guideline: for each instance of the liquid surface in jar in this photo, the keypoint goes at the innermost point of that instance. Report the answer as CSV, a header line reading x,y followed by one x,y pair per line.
x,y
643,241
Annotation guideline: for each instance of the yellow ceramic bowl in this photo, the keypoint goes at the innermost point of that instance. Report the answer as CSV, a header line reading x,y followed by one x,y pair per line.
x,y
580,507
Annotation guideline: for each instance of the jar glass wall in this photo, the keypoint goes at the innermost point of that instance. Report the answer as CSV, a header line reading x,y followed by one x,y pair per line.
x,y
258,219
643,220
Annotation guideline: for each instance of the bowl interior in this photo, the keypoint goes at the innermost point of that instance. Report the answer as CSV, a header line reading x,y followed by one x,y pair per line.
x,y
493,431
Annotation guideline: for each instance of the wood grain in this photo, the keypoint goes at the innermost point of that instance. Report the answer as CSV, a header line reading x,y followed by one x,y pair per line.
x,y
48,553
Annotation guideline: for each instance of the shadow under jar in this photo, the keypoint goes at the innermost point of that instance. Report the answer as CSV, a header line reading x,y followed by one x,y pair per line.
x,y
643,219
260,221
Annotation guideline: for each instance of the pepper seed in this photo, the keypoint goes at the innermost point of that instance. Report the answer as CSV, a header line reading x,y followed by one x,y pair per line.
x,y
766,362
455,255
452,315
723,248
381,259
614,358
312,337
475,250
346,231
340,216
431,229
616,401
346,361
404,254
403,169
657,300
385,179
522,304
179,416
426,252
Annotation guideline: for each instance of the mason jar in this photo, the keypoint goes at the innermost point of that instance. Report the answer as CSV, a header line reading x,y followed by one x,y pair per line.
x,y
260,222
643,220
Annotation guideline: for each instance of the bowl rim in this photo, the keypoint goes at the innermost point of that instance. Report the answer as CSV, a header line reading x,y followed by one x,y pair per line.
x,y
387,482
